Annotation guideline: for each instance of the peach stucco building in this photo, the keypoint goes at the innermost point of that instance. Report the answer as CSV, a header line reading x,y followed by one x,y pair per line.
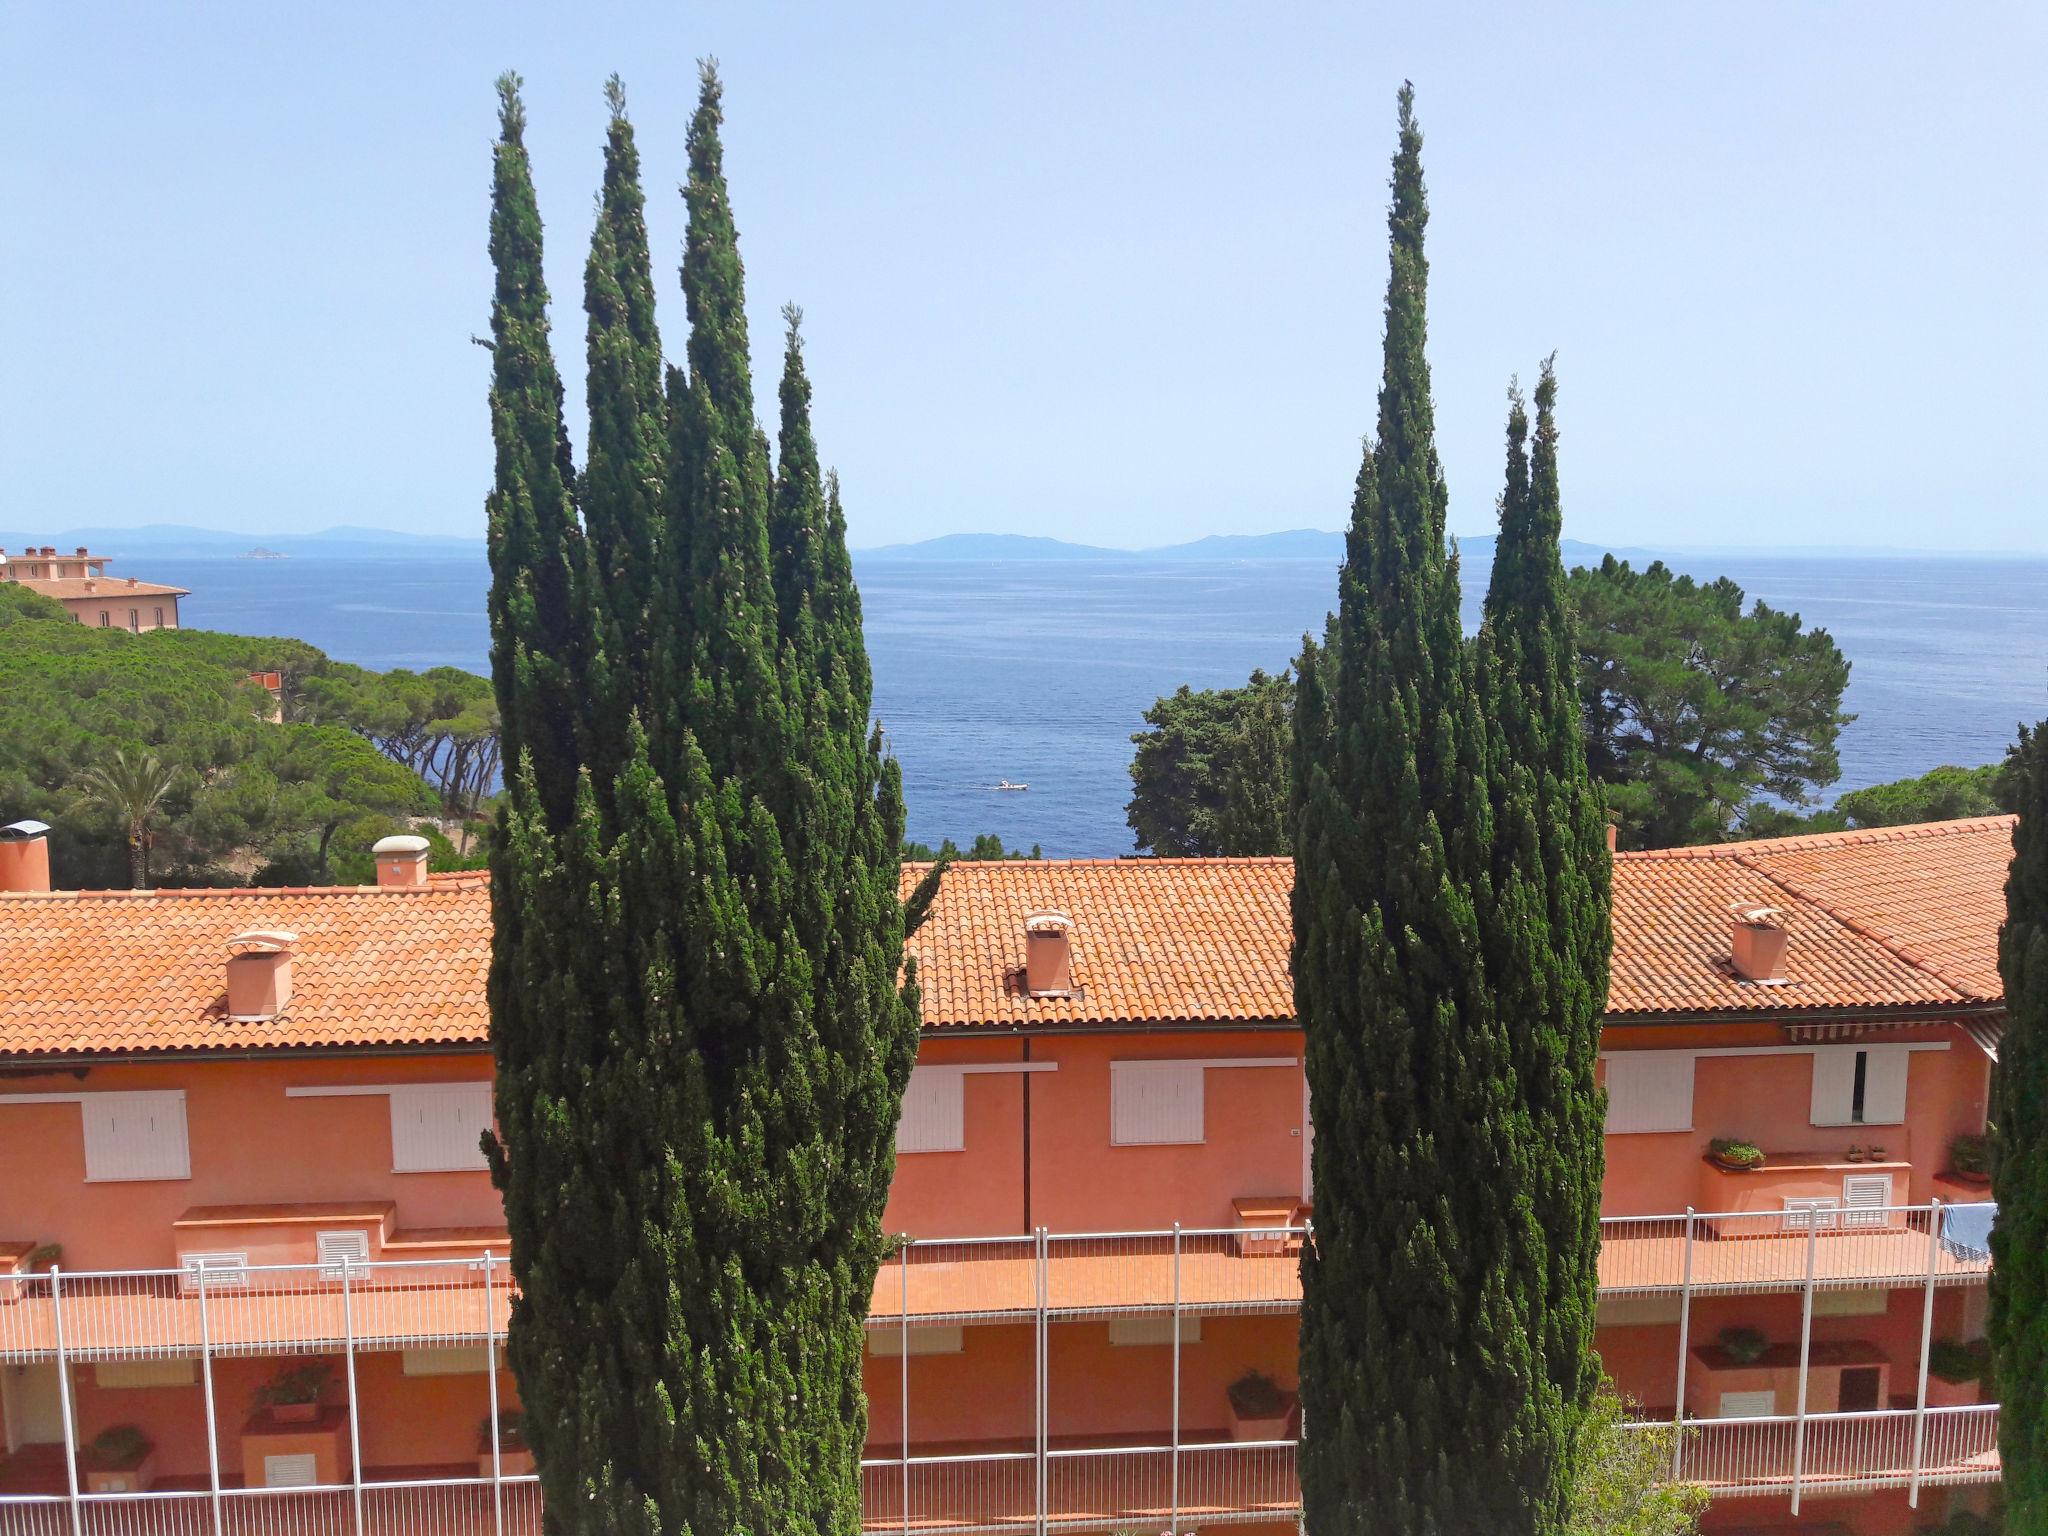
x,y
1103,1163
80,582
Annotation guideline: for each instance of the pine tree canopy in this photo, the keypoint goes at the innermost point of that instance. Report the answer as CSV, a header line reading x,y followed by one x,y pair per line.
x,y
2019,1162
700,1034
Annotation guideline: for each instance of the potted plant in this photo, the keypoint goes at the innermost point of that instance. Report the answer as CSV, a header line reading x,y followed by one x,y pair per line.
x,y
1969,1161
514,1455
1259,1408
1745,1346
1956,1371
44,1259
293,1394
1735,1156
120,1459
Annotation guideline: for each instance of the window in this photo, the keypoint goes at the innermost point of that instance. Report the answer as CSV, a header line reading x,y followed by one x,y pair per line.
x,y
106,619
934,1111
338,1248
458,1360
1155,1103
1864,1198
439,1127
131,1136
1860,1085
1649,1091
134,620
1154,1328
159,618
896,1342
111,1374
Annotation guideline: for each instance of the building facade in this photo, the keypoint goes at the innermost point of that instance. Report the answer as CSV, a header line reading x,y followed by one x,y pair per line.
x,y
80,582
239,1165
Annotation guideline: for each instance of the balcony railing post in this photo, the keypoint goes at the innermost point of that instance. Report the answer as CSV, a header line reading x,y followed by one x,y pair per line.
x,y
1805,1352
348,1356
1173,1525
64,1395
1926,1340
206,1385
903,1389
1039,1369
1684,1351
491,1378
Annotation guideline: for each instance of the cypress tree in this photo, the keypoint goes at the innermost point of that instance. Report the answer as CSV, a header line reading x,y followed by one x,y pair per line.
x,y
1416,1361
1548,939
2019,1161
700,1035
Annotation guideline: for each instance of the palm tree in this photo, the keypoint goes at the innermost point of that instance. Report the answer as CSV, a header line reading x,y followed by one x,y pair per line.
x,y
131,791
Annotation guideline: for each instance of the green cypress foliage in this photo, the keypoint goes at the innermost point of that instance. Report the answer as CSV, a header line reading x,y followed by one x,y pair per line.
x,y
2019,1163
1416,1361
700,1036
1548,938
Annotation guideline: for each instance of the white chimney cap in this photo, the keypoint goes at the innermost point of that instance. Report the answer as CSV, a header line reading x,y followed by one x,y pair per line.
x,y
402,842
264,941
1048,922
1754,914
23,830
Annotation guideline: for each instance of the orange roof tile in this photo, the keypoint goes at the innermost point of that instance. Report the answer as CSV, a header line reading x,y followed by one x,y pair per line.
x,y
1898,919
72,588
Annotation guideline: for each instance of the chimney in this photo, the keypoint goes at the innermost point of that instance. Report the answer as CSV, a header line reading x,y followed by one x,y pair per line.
x,y
25,857
1048,956
259,975
81,551
401,860
1613,837
1758,950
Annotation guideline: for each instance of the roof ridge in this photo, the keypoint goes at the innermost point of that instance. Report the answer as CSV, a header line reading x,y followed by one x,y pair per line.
x,y
1884,941
1848,837
1122,861
226,892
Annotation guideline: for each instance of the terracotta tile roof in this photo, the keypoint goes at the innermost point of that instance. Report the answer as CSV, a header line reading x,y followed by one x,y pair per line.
x,y
109,588
1154,941
123,971
1903,918
1889,917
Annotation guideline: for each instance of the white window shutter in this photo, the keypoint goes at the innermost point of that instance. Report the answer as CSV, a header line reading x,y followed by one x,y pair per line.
x,y
1649,1091
439,1127
934,1111
132,1136
1884,1085
1155,1103
1834,1084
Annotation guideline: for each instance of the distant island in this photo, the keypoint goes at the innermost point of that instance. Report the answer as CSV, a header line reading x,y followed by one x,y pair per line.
x,y
1290,544
265,554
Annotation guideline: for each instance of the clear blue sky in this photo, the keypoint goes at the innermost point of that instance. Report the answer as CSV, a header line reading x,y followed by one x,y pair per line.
x,y
1108,272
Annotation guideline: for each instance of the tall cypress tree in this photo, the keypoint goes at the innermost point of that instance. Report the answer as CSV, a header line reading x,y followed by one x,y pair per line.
x,y
1416,1361
1548,939
2019,1165
700,1036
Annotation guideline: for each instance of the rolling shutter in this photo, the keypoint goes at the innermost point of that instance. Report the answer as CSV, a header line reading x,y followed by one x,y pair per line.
x,y
934,1111
1649,1091
439,1127
1155,1103
131,1136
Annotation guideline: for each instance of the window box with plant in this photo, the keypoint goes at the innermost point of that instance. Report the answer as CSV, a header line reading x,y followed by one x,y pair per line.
x,y
1744,1346
1957,1372
1969,1161
1260,1409
1735,1156
119,1459
514,1455
293,1395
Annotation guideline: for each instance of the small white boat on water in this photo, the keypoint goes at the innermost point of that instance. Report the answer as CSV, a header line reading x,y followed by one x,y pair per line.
x,y
1006,784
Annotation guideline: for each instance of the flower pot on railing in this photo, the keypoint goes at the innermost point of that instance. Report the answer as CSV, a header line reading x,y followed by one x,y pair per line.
x,y
293,1395
1956,1372
1259,1408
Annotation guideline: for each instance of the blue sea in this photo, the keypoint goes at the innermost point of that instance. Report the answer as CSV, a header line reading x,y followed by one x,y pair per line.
x,y
1039,672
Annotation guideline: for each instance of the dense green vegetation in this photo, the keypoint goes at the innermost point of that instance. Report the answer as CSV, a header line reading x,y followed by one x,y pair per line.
x,y
985,846
156,760
1449,965
2019,1160
1621,1486
701,1032
1702,721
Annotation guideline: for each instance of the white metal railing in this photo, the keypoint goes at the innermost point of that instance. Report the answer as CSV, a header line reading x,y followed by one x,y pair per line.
x,y
1047,1474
